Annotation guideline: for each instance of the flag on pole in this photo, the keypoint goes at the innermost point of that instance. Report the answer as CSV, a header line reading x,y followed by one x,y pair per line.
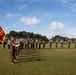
x,y
2,35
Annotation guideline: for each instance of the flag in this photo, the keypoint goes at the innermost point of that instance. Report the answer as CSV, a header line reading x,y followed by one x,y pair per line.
x,y
2,35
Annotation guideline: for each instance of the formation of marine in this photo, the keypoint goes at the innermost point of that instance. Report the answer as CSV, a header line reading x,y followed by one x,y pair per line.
x,y
17,44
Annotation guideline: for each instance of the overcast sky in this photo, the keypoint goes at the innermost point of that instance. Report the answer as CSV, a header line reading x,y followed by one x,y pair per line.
x,y
46,17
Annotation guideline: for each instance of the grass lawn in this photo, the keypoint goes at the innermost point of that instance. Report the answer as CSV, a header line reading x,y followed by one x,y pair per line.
x,y
40,62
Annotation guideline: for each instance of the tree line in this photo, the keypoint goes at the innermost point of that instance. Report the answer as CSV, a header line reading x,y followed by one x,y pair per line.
x,y
24,34
58,37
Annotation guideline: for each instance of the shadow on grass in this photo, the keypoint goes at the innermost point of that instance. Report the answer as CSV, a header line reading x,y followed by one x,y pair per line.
x,y
28,60
30,55
56,48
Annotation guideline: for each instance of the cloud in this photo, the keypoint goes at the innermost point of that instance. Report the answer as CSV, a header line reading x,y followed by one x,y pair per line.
x,y
71,32
37,0
56,26
73,7
15,24
64,1
11,15
47,14
18,30
6,28
30,21
71,4
22,7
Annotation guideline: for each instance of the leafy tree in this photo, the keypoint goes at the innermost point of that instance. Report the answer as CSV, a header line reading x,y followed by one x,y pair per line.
x,y
25,34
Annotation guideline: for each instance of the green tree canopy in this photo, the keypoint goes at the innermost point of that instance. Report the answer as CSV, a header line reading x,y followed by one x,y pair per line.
x,y
25,34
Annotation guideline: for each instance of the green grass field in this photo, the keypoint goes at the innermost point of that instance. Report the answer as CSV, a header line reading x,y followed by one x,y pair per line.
x,y
40,62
